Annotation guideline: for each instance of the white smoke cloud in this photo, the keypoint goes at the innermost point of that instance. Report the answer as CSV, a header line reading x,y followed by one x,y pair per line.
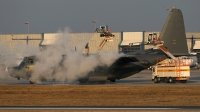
x,y
13,57
75,65
5,53
48,66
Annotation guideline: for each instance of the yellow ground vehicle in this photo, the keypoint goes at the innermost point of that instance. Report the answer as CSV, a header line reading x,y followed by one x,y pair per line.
x,y
170,71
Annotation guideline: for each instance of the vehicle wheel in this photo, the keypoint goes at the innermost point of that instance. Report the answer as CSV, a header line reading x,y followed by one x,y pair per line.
x,y
158,79
166,80
155,80
174,80
170,80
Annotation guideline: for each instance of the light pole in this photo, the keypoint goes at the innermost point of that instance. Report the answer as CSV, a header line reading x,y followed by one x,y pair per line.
x,y
28,25
94,21
28,33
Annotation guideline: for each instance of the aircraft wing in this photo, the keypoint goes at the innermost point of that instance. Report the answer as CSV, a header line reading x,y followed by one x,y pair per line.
x,y
135,62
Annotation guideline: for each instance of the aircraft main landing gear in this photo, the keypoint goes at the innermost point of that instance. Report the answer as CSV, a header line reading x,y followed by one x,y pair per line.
x,y
112,80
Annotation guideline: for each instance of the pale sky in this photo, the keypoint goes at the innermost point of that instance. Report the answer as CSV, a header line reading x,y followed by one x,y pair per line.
x,y
48,16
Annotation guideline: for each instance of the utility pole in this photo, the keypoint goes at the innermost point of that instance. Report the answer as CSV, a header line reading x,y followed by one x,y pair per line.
x,y
94,21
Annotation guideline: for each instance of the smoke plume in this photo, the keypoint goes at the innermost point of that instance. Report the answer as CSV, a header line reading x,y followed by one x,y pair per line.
x,y
62,61
12,57
75,65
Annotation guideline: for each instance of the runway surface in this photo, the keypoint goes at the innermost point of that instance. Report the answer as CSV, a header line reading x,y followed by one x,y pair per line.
x,y
97,109
140,79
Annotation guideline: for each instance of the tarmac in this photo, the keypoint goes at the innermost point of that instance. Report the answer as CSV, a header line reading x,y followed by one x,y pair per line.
x,y
98,109
140,79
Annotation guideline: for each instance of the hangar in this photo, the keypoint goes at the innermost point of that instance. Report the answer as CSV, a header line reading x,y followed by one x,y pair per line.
x,y
122,42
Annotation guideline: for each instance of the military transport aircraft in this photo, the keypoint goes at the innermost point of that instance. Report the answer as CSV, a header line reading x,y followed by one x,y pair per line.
x,y
125,66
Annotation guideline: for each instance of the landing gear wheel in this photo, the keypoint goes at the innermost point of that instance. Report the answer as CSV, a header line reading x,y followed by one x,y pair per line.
x,y
83,80
92,82
102,82
31,82
43,80
112,80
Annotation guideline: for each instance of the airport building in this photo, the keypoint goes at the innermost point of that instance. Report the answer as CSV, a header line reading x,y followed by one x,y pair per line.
x,y
122,42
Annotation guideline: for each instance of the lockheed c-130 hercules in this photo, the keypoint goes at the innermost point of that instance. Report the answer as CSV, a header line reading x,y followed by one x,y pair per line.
x,y
125,66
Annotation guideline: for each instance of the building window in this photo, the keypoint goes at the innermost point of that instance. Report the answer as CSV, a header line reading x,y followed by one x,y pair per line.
x,y
127,49
196,50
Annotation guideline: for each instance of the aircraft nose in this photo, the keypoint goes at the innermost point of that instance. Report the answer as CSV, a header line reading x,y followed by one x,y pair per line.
x,y
6,69
10,71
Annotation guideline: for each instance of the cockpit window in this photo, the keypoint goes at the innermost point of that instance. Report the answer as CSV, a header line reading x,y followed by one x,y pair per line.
x,y
22,63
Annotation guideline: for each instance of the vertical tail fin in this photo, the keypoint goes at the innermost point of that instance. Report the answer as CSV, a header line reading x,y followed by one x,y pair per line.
x,y
173,33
